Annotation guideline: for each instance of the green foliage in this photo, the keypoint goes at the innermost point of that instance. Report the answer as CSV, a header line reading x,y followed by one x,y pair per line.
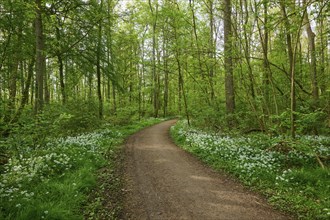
x,y
311,121
286,171
281,123
124,116
32,132
142,49
77,116
32,182
54,180
308,122
208,118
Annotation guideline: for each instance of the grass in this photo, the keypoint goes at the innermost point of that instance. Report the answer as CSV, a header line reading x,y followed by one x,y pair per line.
x,y
66,178
287,172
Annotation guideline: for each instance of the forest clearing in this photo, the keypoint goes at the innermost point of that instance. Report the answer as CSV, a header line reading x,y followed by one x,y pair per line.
x,y
248,82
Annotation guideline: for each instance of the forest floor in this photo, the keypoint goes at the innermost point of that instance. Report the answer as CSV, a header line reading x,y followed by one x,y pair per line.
x,y
164,182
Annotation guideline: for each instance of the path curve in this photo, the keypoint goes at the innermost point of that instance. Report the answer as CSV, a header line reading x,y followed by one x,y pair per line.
x,y
165,182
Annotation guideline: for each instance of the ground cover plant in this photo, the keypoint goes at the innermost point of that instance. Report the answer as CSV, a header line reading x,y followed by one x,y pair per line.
x,y
54,180
293,174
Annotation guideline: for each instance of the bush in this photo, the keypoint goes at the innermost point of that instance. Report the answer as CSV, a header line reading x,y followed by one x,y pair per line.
x,y
124,116
311,122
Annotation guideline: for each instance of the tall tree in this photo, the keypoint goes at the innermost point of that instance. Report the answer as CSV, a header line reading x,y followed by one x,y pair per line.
x,y
154,13
312,49
211,49
40,57
98,61
228,53
14,62
291,56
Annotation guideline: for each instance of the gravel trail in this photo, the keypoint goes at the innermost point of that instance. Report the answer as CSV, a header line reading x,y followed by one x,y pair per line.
x,y
165,182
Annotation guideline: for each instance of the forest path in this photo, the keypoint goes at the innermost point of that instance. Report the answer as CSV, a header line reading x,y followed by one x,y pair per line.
x,y
165,182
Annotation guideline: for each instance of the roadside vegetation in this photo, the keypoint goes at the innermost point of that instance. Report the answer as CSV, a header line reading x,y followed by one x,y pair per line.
x,y
293,174
56,176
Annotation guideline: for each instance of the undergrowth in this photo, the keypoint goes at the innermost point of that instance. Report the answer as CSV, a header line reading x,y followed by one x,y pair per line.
x,y
55,179
293,174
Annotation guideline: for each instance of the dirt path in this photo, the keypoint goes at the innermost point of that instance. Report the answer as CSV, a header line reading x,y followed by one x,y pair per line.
x,y
164,182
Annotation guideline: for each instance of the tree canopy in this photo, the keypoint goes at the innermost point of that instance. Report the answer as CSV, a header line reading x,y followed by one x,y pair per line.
x,y
234,64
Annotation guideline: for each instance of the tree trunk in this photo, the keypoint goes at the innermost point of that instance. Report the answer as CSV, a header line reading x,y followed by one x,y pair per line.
x,y
12,85
229,79
292,50
25,92
98,66
322,44
266,78
90,86
154,73
247,52
166,89
114,99
47,89
200,66
211,48
313,67
60,68
40,59
181,89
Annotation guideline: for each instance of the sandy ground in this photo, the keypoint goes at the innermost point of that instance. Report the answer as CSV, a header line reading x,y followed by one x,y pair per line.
x,y
165,182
